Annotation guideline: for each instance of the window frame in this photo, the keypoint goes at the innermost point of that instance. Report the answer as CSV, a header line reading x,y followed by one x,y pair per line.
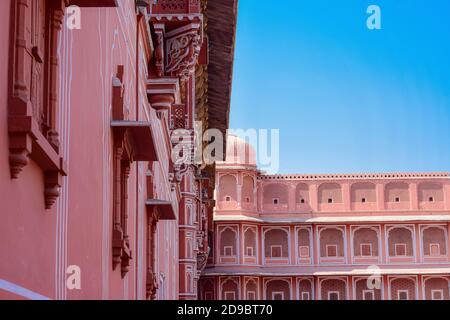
x,y
397,245
371,291
302,295
300,255
248,295
403,291
370,249
281,293
327,246
438,249
226,293
440,291
225,248
276,246
329,293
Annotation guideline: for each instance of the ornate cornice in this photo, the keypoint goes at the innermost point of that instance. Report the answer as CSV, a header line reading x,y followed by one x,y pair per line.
x,y
356,176
182,50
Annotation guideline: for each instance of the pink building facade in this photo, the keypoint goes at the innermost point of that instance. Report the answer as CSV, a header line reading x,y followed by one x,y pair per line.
x,y
92,204
327,237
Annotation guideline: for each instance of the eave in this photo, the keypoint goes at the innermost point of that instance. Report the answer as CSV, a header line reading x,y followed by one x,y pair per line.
x,y
142,136
221,30
165,208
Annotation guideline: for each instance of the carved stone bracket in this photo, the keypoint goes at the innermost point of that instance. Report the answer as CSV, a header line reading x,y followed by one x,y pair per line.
x,y
178,43
183,46
151,285
202,259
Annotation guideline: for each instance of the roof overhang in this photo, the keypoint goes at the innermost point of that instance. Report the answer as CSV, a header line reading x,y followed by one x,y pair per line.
x,y
164,207
142,137
221,30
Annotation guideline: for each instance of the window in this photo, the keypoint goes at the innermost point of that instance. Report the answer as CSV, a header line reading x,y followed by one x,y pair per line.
x,y
430,199
227,198
366,249
247,199
251,295
303,251
275,200
330,200
333,295
363,200
208,295
397,199
305,295
277,295
33,106
368,295
437,294
331,250
402,295
275,251
229,295
249,251
400,249
435,249
227,251
302,200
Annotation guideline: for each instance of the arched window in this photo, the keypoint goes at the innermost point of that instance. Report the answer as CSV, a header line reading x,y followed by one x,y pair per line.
x,y
434,241
305,289
275,194
276,244
331,243
247,190
278,290
251,290
304,243
365,292
363,192
250,242
400,241
230,289
436,288
228,188
397,192
207,289
403,289
365,242
330,193
228,242
333,289
302,193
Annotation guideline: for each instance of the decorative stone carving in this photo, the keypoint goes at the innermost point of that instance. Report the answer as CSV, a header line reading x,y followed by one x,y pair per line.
x,y
151,285
182,51
159,52
202,259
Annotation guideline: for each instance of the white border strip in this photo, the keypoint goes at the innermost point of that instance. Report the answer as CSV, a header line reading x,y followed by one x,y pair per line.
x,y
21,291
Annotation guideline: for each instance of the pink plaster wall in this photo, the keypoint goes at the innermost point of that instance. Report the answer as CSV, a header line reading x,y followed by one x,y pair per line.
x,y
77,230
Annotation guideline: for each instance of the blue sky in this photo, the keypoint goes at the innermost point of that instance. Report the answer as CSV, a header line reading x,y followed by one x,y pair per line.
x,y
345,98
